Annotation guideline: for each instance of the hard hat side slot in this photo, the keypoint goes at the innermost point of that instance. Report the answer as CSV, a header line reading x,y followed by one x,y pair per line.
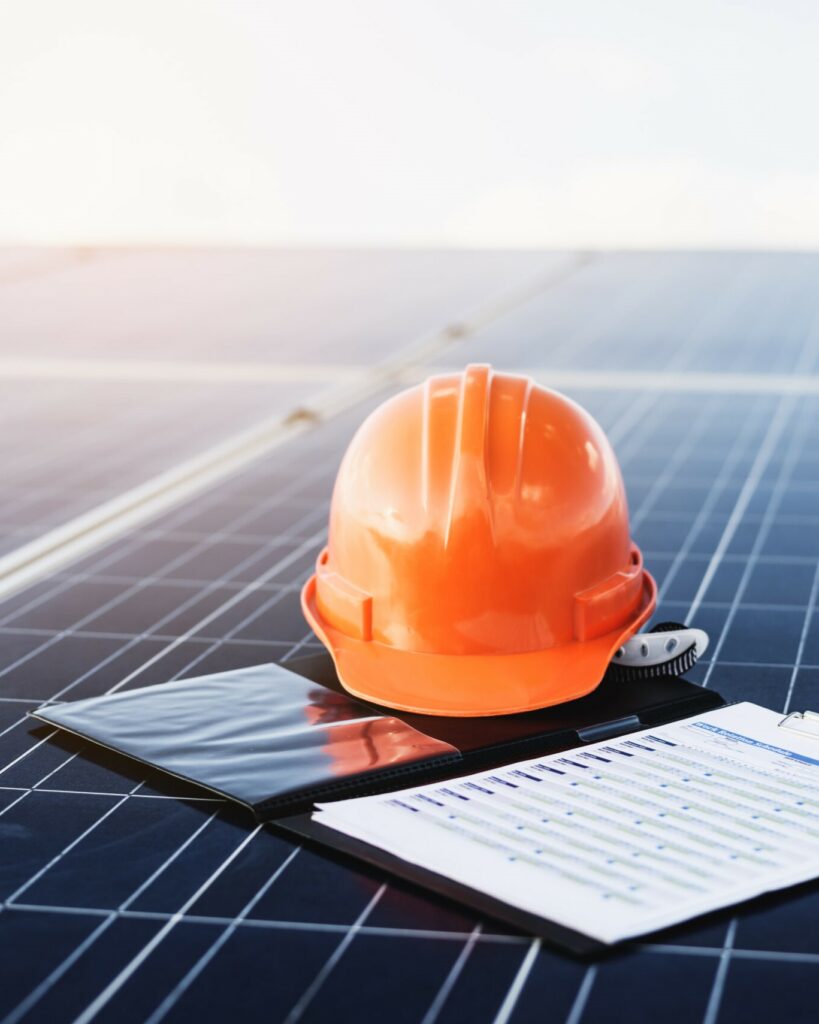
x,y
609,604
342,604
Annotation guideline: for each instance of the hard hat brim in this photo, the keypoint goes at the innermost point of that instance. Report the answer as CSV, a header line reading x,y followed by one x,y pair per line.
x,y
471,685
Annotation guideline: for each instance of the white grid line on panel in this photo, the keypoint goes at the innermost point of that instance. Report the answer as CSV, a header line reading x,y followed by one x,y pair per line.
x,y
312,989
518,983
455,971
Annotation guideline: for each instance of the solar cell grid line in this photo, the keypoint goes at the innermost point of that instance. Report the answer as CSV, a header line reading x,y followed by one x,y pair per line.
x,y
299,647
809,614
218,535
769,305
8,807
620,430
769,517
736,953
723,964
579,1004
55,515
741,446
167,634
736,600
312,990
85,435
168,582
100,792
644,351
766,450
268,924
438,1002
709,325
731,346
310,544
691,440
723,473
29,789
48,775
507,1007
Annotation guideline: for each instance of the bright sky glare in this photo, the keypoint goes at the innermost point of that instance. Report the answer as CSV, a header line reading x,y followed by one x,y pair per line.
x,y
410,122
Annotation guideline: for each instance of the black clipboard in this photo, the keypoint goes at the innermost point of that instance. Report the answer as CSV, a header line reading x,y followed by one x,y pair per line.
x,y
614,709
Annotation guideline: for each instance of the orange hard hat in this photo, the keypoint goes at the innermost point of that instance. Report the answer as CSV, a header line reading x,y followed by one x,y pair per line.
x,y
479,558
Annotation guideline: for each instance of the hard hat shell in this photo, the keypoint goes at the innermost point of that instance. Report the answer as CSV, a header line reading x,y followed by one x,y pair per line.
x,y
479,560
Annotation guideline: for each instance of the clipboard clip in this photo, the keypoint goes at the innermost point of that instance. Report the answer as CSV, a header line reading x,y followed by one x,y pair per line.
x,y
806,723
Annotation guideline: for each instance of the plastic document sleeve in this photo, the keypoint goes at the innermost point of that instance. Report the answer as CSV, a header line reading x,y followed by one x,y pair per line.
x,y
276,741
262,736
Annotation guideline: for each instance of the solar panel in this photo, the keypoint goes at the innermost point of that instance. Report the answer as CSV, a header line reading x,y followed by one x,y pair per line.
x,y
68,447
130,896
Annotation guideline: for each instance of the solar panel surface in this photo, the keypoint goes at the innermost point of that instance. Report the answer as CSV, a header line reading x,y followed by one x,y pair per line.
x,y
117,366
132,897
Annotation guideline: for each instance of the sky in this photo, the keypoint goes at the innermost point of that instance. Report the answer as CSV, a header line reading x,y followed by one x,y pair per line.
x,y
480,123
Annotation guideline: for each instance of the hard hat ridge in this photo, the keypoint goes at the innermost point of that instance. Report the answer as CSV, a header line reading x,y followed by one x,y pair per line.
x,y
468,476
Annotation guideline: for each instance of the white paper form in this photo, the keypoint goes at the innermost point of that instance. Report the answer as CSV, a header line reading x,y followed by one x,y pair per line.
x,y
622,837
